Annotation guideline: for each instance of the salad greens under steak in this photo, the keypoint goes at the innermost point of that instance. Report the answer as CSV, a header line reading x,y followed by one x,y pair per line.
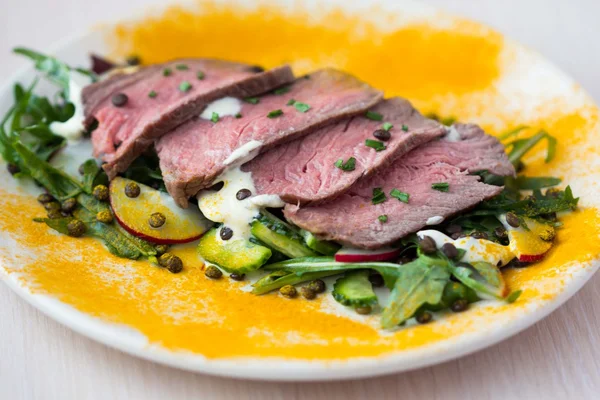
x,y
424,280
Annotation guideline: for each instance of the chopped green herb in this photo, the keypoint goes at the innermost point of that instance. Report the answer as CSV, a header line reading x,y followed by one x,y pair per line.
x,y
238,115
214,117
167,72
182,67
405,128
200,75
302,107
252,100
382,218
152,94
513,296
373,116
290,102
375,144
282,90
346,166
378,196
275,113
402,196
387,126
185,86
440,186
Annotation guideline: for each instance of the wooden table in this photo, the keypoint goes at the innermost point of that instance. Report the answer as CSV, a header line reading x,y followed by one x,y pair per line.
x,y
555,359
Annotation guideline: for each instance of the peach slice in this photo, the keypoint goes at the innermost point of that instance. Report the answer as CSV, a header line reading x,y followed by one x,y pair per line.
x,y
180,226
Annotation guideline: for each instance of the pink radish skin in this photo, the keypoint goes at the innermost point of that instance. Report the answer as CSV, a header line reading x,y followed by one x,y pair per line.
x,y
358,255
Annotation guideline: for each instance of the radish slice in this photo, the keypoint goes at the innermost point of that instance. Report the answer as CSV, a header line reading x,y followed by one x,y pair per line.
x,y
348,254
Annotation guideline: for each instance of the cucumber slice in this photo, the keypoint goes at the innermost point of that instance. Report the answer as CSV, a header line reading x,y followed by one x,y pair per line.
x,y
354,289
239,256
320,246
279,236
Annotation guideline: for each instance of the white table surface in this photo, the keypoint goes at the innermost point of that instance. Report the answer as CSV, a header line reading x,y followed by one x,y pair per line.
x,y
556,359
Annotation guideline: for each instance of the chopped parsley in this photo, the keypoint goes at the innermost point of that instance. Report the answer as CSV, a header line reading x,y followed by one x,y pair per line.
x,y
252,100
290,102
382,218
282,90
185,86
238,115
152,94
275,113
440,186
302,107
214,117
387,126
167,72
405,128
373,116
346,166
375,144
200,75
378,196
182,67
402,196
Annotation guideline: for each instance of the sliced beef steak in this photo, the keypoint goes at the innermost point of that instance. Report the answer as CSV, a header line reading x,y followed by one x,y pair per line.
x,y
196,153
352,219
181,90
304,171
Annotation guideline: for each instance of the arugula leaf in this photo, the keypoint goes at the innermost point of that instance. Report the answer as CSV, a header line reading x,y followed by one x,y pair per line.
x,y
512,132
484,278
519,147
532,183
280,278
145,169
91,171
417,284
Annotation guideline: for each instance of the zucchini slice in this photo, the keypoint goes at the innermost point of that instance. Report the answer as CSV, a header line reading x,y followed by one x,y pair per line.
x,y
320,246
355,290
280,236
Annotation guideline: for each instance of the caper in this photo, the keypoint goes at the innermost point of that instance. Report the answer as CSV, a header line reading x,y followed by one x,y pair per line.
x,y
100,192
450,251
459,305
161,249
366,310
133,60
13,168
317,286
81,169
288,291
512,220
308,293
76,228
547,234
458,235
226,233
382,134
119,99
132,190
553,192
45,198
243,194
171,262
55,214
157,220
427,245
237,277
53,205
500,232
104,216
69,205
213,272
453,228
376,280
479,235
424,317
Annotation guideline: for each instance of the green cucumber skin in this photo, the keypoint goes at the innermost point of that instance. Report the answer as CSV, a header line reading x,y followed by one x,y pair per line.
x,y
280,237
355,290
320,246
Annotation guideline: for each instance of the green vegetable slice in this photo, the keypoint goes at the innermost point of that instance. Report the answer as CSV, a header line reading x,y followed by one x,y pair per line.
x,y
320,246
280,278
485,279
354,289
280,236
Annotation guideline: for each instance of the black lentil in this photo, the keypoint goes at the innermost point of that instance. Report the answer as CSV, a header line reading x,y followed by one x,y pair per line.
x,y
382,134
213,272
237,277
308,293
132,190
288,291
104,217
45,198
512,220
226,233
76,228
318,286
100,192
243,194
119,99
13,168
427,245
376,280
449,251
157,220
366,310
424,317
479,235
460,305
69,205
500,232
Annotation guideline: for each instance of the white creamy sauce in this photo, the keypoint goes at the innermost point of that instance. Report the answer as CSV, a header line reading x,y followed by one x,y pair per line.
x,y
73,128
475,249
452,134
244,153
435,220
70,157
267,200
223,107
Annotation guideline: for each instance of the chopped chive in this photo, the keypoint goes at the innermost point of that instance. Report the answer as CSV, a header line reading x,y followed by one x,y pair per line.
x,y
375,144
167,72
440,186
513,296
152,94
200,75
382,218
402,196
405,128
387,126
275,113
182,67
252,100
214,117
302,107
290,102
373,116
185,86
282,90
346,166
378,196
238,115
